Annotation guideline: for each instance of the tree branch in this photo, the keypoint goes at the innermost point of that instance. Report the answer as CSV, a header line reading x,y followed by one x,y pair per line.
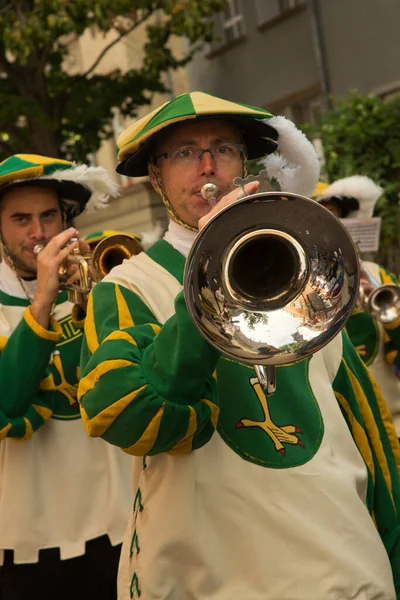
x,y
118,39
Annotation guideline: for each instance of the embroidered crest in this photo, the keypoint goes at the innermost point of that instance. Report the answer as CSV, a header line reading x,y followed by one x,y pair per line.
x,y
63,380
279,431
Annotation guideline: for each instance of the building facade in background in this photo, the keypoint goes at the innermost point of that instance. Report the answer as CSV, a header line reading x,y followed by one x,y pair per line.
x,y
292,56
289,56
138,209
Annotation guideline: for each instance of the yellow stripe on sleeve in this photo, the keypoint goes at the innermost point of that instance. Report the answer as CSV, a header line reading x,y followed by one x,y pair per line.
x,y
88,382
371,427
28,432
148,438
45,334
120,335
214,411
99,424
387,420
90,327
184,446
124,316
4,431
359,435
391,356
3,342
43,411
155,328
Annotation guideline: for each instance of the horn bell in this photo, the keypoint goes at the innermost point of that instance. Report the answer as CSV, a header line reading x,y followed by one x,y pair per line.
x,y
271,279
112,251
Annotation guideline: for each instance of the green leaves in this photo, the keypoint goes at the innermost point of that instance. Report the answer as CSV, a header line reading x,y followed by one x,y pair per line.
x,y
361,136
45,109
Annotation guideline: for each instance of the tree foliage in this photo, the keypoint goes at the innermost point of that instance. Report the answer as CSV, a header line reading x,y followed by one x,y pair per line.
x,y
361,136
46,110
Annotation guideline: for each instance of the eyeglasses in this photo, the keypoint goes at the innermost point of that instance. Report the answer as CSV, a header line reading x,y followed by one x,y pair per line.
x,y
220,154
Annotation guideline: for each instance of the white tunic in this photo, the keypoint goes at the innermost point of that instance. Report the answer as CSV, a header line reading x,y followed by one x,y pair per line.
x,y
60,488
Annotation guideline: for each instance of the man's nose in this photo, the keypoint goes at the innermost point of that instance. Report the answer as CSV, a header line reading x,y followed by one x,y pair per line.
x,y
36,229
207,164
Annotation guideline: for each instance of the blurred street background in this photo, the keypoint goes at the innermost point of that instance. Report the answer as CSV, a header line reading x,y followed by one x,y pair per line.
x,y
74,74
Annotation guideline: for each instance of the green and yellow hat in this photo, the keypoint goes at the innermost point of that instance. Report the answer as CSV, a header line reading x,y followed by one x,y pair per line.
x,y
319,189
135,143
94,238
78,187
355,196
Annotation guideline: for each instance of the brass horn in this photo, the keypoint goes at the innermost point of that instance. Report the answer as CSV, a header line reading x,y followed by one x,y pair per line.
x,y
383,303
271,279
95,265
111,251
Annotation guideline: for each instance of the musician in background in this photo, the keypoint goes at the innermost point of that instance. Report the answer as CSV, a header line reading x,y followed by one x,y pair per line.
x,y
377,343
64,499
237,495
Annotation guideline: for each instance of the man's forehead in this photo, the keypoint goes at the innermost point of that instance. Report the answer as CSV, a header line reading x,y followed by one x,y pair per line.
x,y
190,131
29,199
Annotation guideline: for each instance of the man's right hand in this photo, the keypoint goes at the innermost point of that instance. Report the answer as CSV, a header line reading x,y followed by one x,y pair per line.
x,y
49,261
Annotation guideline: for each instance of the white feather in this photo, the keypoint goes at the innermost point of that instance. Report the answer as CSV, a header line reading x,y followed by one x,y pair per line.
x,y
96,179
366,191
296,167
150,237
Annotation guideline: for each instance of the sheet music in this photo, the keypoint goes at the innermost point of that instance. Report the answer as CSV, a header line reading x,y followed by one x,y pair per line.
x,y
364,232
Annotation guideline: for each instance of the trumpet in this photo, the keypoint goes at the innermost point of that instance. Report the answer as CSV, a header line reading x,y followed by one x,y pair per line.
x,y
383,303
94,266
271,279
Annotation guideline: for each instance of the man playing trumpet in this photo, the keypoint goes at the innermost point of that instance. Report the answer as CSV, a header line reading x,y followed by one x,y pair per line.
x,y
377,343
63,498
237,494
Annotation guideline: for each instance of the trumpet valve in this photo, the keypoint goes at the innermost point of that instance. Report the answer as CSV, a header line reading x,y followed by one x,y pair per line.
x,y
76,249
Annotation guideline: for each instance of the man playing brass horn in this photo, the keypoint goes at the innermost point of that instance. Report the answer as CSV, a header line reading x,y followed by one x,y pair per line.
x,y
292,496
378,343
63,498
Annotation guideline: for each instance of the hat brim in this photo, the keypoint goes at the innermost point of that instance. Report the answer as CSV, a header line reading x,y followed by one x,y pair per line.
x,y
74,195
259,137
346,204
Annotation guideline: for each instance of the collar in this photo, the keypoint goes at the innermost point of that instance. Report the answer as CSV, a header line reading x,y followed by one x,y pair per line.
x,y
10,285
180,238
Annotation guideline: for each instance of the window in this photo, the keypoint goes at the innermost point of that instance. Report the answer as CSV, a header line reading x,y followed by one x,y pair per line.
x,y
228,26
304,111
269,10
232,21
286,5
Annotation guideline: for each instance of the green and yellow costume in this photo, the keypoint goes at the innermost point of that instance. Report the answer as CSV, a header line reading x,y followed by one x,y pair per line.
x,y
379,345
58,489
154,387
236,495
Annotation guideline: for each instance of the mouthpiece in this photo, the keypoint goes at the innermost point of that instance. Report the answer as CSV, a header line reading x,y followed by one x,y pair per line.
x,y
37,249
209,192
